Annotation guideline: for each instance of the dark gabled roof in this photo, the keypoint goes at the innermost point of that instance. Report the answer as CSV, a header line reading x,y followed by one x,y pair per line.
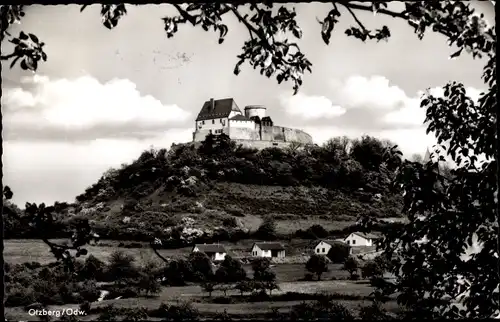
x,y
210,248
269,246
329,241
222,108
367,235
240,117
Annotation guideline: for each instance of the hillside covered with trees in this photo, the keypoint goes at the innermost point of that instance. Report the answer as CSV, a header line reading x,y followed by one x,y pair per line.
x,y
218,188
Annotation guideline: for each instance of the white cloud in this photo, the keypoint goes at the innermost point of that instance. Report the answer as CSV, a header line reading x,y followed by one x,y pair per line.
x,y
412,114
82,104
310,107
362,92
59,171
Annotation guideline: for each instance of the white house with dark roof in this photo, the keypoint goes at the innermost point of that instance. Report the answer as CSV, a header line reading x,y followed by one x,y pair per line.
x,y
361,239
269,250
216,252
323,246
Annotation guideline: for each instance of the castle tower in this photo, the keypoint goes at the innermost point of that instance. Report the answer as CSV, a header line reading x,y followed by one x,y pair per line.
x,y
255,110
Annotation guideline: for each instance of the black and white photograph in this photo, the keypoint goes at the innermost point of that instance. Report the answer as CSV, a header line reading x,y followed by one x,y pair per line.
x,y
270,161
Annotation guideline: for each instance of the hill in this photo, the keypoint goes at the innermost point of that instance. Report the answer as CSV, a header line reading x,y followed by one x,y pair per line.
x,y
216,190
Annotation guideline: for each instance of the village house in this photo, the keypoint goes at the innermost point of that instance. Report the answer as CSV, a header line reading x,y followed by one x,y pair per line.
x,y
361,239
324,246
216,252
268,250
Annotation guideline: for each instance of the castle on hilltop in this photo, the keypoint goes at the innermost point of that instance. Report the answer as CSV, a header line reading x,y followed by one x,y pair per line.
x,y
252,129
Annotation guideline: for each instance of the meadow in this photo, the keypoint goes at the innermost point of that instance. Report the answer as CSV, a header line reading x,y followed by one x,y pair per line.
x,y
289,277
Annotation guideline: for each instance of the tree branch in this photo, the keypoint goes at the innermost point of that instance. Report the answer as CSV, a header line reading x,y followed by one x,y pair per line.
x,y
357,20
251,29
158,253
9,56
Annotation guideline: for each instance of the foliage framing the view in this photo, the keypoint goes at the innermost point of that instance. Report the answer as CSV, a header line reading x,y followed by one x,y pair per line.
x,y
453,210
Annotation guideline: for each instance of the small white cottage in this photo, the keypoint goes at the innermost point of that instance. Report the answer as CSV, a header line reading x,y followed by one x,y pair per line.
x,y
361,239
324,245
268,250
216,252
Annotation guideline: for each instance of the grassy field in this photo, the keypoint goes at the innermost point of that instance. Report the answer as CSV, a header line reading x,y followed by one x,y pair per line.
x,y
28,250
174,295
288,278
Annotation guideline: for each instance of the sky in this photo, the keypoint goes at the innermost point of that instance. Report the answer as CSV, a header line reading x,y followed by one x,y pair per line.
x,y
104,96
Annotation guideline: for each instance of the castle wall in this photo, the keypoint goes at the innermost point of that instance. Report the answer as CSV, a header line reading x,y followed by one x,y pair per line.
x,y
260,145
200,135
241,133
280,133
242,124
297,136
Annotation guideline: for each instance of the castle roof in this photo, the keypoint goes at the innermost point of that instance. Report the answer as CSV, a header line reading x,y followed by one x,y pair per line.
x,y
240,117
219,109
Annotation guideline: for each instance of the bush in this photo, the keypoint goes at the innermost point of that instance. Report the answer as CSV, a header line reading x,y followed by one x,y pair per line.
x,y
124,290
318,231
230,222
182,312
351,265
230,271
371,269
122,266
339,253
89,291
317,264
92,268
267,230
320,310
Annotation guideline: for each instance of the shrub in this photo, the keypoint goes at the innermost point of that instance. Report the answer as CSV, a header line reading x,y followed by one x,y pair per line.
x,y
351,265
318,231
89,291
18,295
230,271
374,312
317,264
339,253
201,266
177,272
92,268
267,230
122,266
371,269
230,222
181,312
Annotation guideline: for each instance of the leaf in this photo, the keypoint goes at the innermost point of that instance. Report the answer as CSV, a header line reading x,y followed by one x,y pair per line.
x,y
33,38
24,65
14,61
297,32
23,36
456,54
83,7
237,69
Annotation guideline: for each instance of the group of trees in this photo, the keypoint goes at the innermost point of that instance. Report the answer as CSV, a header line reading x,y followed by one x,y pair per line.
x,y
335,165
231,275
373,269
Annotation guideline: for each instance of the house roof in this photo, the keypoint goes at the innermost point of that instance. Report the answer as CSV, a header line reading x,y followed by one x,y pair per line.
x,y
222,108
210,248
240,117
329,241
367,235
270,246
